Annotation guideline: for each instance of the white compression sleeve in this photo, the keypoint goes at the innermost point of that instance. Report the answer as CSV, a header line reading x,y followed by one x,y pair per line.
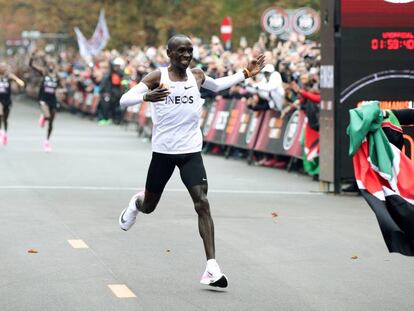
x,y
134,96
217,85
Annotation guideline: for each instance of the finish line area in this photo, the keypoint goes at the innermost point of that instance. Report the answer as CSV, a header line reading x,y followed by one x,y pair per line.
x,y
283,244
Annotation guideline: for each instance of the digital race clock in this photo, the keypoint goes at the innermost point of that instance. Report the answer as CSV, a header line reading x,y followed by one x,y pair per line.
x,y
393,41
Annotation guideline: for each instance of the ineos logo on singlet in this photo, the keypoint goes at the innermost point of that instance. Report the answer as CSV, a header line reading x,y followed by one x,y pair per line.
x,y
50,84
177,100
4,85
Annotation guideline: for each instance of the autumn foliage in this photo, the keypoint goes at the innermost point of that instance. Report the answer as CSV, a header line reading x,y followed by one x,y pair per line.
x,y
138,21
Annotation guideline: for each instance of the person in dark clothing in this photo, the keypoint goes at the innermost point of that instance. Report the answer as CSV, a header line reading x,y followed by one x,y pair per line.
x,y
47,97
6,80
394,134
111,92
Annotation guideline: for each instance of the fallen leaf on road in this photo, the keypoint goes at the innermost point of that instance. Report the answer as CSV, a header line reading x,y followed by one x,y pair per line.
x,y
274,216
32,251
354,257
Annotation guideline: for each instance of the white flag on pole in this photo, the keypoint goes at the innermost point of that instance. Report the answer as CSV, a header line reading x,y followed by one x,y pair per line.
x,y
97,42
82,43
100,36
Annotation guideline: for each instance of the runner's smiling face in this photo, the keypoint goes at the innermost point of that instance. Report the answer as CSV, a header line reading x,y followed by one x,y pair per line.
x,y
181,53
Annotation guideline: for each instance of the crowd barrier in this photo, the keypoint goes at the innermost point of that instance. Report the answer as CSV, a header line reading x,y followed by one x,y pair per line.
x,y
230,123
227,123
224,122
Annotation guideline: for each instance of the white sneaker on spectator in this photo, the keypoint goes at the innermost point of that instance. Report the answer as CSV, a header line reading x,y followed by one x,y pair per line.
x,y
212,275
129,214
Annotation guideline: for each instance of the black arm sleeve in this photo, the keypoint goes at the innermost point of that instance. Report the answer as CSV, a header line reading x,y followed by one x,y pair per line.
x,y
404,116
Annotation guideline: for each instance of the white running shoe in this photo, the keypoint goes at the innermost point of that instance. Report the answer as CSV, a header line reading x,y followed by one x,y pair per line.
x,y
129,215
212,276
46,146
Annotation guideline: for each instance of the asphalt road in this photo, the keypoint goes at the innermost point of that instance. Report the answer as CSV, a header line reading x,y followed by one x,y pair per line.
x,y
300,260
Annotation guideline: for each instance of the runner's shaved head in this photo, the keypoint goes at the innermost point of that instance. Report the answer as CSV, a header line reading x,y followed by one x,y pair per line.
x,y
175,40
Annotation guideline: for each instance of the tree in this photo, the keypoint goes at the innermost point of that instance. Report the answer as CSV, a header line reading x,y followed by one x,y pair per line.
x,y
138,21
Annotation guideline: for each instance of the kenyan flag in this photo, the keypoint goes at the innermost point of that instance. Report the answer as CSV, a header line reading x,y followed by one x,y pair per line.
x,y
310,143
384,175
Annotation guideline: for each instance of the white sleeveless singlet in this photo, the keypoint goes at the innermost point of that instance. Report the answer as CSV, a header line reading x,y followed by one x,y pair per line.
x,y
176,119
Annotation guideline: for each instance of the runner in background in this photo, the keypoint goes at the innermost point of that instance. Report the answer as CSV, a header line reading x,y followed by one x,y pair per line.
x,y
47,96
6,79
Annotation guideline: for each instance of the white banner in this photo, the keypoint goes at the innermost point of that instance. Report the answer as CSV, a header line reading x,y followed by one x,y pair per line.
x,y
97,42
82,43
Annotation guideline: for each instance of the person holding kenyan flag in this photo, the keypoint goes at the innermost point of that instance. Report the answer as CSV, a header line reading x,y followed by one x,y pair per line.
x,y
384,174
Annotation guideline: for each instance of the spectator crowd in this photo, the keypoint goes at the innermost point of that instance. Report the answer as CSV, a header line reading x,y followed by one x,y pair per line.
x,y
289,81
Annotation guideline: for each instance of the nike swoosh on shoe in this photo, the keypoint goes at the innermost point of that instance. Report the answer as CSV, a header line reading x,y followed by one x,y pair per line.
x,y
122,216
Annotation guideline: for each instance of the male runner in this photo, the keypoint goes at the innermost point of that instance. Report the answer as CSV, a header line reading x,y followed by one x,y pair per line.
x,y
6,79
47,97
174,93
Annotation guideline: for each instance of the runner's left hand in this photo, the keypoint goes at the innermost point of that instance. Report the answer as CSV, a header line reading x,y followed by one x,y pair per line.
x,y
256,65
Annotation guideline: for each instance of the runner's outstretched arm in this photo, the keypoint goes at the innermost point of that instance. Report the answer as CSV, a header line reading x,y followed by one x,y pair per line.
x,y
220,84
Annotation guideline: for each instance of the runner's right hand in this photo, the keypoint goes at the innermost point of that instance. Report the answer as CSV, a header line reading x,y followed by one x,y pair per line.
x,y
157,94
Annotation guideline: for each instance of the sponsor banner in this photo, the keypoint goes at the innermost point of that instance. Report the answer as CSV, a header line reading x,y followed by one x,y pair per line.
x,y
215,126
253,129
231,123
239,117
275,21
243,126
306,21
278,21
281,136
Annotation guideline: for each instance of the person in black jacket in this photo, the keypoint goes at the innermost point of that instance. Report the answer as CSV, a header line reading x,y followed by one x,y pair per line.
x,y
47,97
111,92
6,79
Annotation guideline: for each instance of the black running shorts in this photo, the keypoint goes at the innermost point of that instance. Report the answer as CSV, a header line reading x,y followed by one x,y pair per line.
x,y
6,102
162,166
51,103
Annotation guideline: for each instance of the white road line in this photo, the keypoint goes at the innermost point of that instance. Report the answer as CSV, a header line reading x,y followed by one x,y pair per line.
x,y
121,291
98,188
78,244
